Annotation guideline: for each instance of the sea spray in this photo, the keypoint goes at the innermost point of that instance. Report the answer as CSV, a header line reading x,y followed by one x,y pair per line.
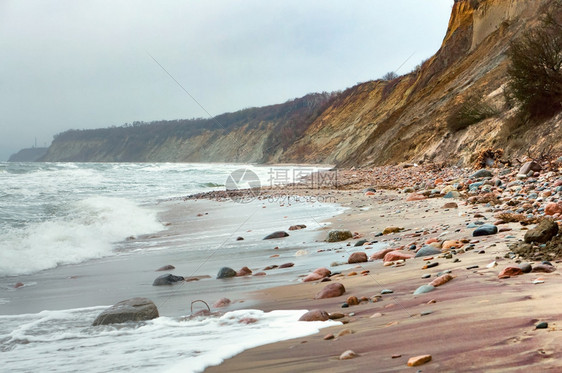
x,y
85,230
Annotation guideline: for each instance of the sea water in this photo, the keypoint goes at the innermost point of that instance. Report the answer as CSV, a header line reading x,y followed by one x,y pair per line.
x,y
78,237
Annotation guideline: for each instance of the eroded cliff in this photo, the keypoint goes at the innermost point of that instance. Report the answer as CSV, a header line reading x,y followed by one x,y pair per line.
x,y
372,123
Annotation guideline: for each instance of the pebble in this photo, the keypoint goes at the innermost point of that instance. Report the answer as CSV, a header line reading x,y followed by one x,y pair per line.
x,y
424,289
542,325
349,354
418,360
387,291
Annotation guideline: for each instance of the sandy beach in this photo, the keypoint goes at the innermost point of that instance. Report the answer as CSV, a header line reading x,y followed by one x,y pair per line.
x,y
475,321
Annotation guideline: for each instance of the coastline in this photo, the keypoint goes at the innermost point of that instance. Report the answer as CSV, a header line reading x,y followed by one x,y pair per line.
x,y
475,322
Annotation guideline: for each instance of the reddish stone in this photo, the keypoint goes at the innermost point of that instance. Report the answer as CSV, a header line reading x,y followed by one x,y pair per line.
x,y
510,272
297,227
369,193
260,274
396,255
380,254
441,280
431,240
245,271
335,289
248,320
358,257
18,285
450,205
315,315
553,208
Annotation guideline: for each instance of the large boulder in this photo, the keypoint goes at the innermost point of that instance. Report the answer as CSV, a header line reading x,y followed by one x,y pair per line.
x,y
358,257
167,279
335,289
543,232
226,272
278,234
380,254
134,309
336,236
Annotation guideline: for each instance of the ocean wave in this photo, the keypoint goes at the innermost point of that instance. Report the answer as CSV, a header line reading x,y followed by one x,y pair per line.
x,y
62,341
87,230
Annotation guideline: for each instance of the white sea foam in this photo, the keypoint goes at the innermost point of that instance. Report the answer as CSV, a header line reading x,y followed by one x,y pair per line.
x,y
86,230
64,341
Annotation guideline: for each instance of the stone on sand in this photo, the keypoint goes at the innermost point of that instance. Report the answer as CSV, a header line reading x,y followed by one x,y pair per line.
x,y
339,235
396,255
441,280
427,251
168,267
332,290
510,272
380,254
349,354
424,289
244,271
485,230
418,360
358,257
315,315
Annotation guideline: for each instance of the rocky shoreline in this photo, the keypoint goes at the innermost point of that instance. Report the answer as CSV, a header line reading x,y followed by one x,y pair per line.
x,y
468,282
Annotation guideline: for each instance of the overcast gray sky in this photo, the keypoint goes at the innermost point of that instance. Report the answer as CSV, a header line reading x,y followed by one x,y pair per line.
x,y
69,64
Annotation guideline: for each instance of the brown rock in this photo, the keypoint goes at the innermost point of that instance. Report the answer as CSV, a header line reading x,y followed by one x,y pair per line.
x,y
441,280
418,360
358,257
450,205
390,230
529,166
223,302
259,274
248,320
510,272
335,289
396,255
380,254
18,285
328,337
352,300
244,271
315,315
286,265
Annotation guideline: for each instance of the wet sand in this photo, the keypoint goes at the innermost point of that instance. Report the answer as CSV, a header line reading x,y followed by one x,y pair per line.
x,y
475,322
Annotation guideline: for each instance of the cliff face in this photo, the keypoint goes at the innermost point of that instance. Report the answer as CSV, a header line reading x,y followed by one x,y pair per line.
x,y
373,123
406,119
